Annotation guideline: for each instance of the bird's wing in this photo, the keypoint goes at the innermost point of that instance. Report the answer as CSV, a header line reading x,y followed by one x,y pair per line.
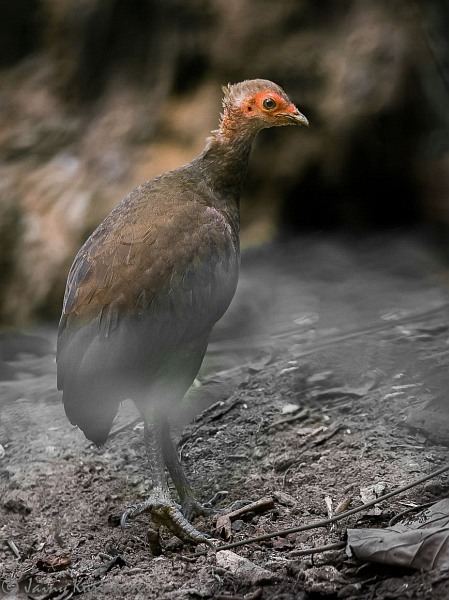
x,y
149,277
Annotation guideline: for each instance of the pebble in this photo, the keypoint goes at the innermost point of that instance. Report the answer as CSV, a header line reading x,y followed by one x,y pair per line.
x,y
243,568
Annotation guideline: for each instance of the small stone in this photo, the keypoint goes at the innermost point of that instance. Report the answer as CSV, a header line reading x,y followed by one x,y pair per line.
x,y
289,409
243,568
237,525
284,498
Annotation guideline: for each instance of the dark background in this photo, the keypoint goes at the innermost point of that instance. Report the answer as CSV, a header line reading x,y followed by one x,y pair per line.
x,y
99,95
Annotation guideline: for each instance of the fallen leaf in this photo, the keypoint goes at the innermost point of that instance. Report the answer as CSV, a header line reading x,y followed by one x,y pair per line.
x,y
54,563
419,544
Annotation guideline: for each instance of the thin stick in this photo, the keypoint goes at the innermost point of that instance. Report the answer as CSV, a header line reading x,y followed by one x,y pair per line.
x,y
261,505
409,510
326,522
13,548
223,524
317,549
300,416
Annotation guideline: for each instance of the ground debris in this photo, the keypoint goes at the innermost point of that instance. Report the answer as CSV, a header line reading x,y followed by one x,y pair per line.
x,y
116,561
255,595
297,416
323,580
50,564
422,543
244,569
17,505
370,493
284,498
14,548
223,525
55,487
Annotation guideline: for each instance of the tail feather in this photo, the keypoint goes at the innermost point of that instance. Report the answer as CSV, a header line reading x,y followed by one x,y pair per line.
x,y
91,408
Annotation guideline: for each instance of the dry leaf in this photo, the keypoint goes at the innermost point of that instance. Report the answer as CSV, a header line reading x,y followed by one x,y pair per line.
x,y
420,544
54,563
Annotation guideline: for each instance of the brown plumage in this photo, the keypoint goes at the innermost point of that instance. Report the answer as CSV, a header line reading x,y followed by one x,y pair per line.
x,y
146,288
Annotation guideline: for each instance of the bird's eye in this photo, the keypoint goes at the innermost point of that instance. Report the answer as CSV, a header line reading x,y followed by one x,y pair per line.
x,y
269,103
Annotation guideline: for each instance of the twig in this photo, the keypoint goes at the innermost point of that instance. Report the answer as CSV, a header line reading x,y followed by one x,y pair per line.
x,y
300,416
317,549
326,522
223,524
261,505
13,548
327,436
399,516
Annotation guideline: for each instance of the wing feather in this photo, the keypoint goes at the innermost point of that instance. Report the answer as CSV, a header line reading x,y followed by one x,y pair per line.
x,y
154,277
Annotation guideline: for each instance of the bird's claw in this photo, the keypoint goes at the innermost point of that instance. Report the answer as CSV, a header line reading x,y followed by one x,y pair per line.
x,y
132,511
166,512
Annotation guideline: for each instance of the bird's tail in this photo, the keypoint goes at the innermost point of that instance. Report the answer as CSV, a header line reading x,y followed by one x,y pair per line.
x,y
91,408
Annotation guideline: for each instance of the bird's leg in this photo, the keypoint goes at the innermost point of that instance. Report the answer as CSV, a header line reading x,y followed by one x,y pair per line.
x,y
163,510
190,505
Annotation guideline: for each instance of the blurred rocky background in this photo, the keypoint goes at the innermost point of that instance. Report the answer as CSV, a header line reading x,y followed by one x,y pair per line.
x,y
99,95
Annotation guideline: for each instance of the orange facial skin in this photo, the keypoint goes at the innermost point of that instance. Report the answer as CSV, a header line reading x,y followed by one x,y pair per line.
x,y
272,108
282,106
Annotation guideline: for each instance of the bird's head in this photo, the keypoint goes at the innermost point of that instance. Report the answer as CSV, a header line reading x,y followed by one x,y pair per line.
x,y
256,104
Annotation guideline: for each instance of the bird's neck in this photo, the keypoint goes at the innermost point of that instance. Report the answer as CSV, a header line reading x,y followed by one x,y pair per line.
x,y
224,161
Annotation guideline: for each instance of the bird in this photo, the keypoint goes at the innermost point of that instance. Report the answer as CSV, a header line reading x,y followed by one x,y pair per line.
x,y
146,288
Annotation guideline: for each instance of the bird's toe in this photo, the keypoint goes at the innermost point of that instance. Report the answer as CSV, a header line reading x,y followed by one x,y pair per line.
x,y
191,508
165,512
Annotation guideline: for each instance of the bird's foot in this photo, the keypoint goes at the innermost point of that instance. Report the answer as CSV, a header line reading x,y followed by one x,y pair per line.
x,y
166,512
191,508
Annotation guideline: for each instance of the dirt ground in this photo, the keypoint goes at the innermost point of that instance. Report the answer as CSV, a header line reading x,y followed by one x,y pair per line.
x,y
317,384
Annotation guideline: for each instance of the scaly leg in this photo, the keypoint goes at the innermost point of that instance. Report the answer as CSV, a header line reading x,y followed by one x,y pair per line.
x,y
190,505
163,510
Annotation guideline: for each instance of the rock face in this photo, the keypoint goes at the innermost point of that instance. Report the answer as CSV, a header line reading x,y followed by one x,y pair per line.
x,y
98,96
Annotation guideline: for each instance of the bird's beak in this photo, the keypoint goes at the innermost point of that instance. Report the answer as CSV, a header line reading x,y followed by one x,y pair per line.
x,y
295,117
